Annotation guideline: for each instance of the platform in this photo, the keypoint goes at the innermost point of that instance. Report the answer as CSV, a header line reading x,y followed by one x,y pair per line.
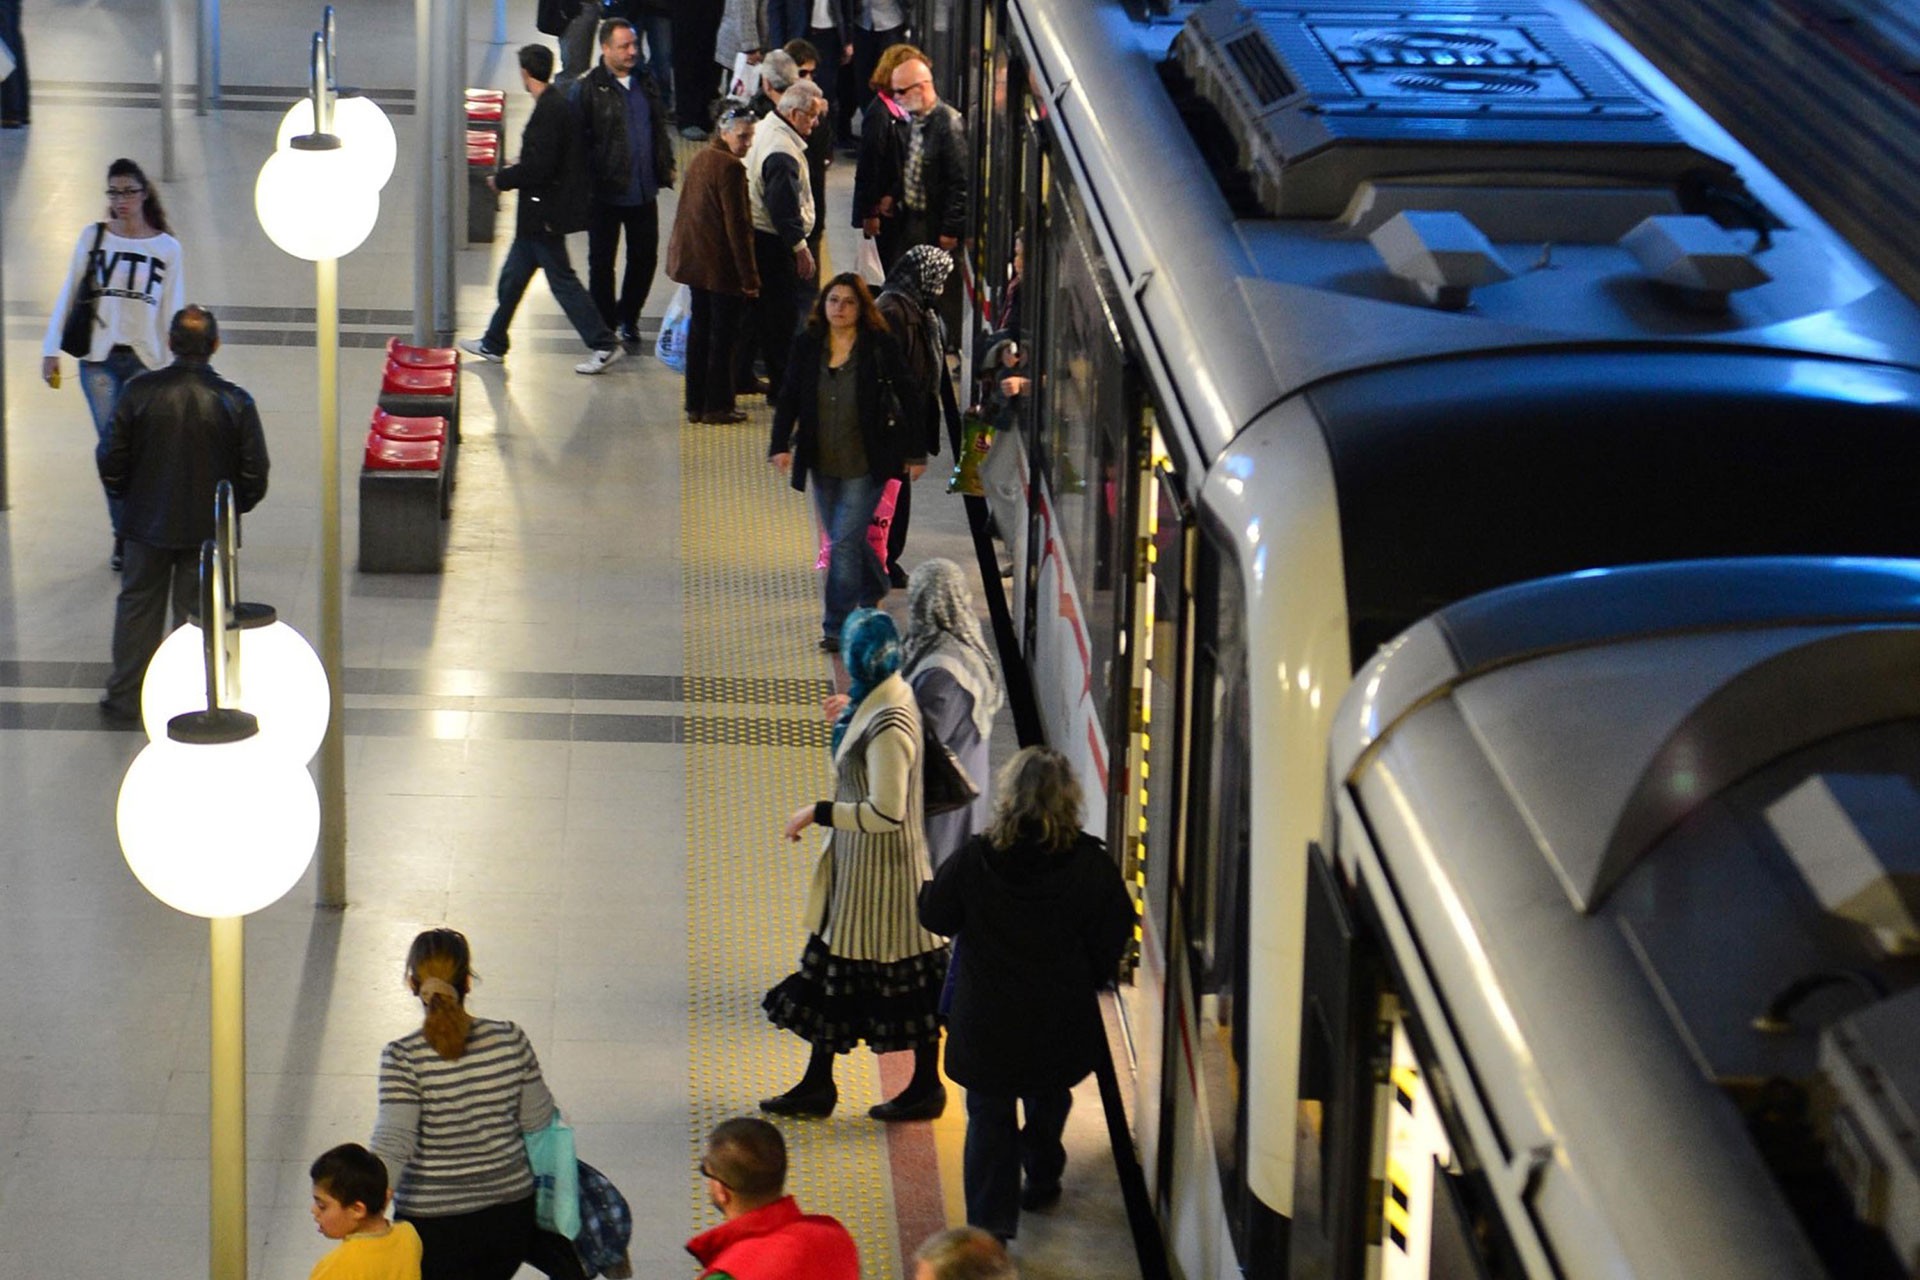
x,y
577,745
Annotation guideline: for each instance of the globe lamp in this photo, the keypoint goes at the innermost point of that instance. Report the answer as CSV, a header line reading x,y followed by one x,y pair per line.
x,y
314,201
281,683
361,126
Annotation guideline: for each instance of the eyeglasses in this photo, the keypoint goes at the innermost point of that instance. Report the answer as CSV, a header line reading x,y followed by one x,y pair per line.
x,y
125,193
708,1173
903,90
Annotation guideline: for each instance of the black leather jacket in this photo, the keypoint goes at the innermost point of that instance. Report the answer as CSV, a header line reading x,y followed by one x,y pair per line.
x,y
552,175
891,423
177,432
602,109
944,171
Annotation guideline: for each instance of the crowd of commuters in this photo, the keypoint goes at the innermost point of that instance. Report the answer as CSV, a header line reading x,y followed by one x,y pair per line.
x,y
994,923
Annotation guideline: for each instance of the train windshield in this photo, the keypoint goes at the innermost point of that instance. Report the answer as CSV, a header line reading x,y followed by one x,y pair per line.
x,y
1596,460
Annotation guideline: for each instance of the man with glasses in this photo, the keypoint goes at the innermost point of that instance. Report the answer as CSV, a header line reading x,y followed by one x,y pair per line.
x,y
764,1235
933,175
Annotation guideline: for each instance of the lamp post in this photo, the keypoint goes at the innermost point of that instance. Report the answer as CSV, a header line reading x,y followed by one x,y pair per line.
x,y
316,201
215,762
358,121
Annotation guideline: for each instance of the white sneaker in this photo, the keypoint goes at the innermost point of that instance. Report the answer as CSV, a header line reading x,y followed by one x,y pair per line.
x,y
599,360
479,350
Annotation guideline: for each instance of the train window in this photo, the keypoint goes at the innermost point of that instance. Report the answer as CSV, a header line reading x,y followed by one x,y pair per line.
x,y
1083,449
1213,874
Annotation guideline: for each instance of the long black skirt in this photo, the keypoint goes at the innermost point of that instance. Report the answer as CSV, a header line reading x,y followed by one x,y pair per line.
x,y
835,1003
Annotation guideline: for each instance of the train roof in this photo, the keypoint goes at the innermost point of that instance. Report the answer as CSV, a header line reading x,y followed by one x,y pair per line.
x,y
1621,818
1239,307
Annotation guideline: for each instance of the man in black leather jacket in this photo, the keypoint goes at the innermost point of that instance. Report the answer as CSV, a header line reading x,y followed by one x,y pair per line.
x,y
556,197
176,433
933,175
632,158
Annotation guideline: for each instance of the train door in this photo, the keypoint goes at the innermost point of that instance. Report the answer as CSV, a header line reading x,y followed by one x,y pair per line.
x,y
1212,1226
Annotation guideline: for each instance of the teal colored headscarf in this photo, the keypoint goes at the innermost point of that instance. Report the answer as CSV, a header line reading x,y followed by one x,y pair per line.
x,y
870,648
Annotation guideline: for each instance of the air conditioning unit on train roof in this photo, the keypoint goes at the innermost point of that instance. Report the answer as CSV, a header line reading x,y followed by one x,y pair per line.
x,y
1322,98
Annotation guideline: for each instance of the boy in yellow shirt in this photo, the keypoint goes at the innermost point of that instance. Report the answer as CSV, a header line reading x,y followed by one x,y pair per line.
x,y
350,1205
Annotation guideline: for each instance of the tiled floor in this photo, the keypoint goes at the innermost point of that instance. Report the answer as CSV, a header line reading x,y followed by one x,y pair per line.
x,y
517,727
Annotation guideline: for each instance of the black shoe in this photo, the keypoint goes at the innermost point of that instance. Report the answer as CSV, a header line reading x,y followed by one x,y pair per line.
x,y
120,717
753,387
802,1100
118,560
897,576
725,417
928,1106
829,644
630,336
1037,1196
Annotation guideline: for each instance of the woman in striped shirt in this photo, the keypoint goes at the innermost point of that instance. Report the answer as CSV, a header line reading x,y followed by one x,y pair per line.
x,y
456,1098
869,971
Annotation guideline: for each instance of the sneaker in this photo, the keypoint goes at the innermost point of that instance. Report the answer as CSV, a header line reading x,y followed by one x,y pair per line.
x,y
629,336
599,360
480,351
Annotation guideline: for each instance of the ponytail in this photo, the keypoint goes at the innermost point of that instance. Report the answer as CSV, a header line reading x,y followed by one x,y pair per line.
x,y
440,972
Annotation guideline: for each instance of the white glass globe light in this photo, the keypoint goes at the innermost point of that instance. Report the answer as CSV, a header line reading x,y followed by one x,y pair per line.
x,y
361,126
315,204
282,683
217,831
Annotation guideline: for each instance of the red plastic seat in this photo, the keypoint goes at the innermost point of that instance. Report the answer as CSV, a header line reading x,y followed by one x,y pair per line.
x,y
486,95
401,455
395,427
483,112
483,157
412,357
400,379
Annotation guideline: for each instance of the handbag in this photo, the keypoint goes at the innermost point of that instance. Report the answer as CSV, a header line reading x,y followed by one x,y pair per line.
x,y
745,80
866,260
606,1226
556,1178
76,335
945,785
976,439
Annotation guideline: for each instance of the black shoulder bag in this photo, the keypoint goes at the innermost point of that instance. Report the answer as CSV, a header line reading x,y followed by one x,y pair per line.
x,y
76,335
945,785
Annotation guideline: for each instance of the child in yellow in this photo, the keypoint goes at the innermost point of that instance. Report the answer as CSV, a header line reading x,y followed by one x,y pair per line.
x,y
350,1205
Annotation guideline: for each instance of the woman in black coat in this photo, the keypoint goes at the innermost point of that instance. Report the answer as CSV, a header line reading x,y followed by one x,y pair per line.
x,y
1042,919
843,426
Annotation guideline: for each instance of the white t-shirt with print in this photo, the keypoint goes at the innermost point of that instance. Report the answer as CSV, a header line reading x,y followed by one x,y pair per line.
x,y
141,284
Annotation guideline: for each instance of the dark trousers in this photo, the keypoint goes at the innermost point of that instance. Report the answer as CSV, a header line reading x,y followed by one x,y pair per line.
x,y
579,45
867,48
658,29
487,1244
547,253
14,104
779,298
897,531
641,224
999,1148
713,331
150,577
827,73
695,77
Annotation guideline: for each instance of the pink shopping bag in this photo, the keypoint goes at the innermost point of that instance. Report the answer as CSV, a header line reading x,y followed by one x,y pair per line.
x,y
877,528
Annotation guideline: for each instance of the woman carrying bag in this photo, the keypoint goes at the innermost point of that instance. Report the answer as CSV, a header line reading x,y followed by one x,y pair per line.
x,y
126,280
841,423
457,1099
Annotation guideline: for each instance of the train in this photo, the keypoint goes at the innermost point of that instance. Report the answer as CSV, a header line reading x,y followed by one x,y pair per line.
x,y
1338,316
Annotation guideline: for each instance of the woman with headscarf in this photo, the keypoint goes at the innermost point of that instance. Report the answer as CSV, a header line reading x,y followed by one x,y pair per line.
x,y
910,304
869,971
1045,919
947,664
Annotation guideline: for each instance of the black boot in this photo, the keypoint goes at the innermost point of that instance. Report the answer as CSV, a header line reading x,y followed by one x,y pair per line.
x,y
924,1098
816,1093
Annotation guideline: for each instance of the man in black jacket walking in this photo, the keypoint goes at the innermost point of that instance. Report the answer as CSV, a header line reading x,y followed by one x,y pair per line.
x,y
556,192
176,433
632,162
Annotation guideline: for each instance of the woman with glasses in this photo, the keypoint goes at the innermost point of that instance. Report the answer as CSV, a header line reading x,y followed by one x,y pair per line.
x,y
711,252
129,269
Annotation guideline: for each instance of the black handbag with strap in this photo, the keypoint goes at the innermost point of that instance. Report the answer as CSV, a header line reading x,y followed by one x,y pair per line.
x,y
945,785
76,335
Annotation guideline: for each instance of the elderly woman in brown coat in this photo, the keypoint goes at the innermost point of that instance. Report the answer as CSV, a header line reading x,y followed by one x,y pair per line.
x,y
711,252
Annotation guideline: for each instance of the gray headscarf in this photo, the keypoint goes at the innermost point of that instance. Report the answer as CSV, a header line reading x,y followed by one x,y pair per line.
x,y
943,631
921,275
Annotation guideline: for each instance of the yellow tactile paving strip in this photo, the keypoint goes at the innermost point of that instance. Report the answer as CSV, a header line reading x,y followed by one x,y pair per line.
x,y
752,611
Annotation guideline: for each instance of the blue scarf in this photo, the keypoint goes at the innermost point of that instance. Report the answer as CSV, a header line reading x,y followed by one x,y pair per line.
x,y
870,647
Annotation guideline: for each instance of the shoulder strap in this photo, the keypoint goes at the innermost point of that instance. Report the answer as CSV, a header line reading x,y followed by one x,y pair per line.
x,y
89,282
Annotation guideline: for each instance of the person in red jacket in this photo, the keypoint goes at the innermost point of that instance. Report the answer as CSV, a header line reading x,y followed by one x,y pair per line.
x,y
765,1236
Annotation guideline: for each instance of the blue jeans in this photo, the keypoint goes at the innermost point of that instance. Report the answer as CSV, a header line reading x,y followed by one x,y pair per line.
x,y
546,253
658,29
999,1147
855,576
102,381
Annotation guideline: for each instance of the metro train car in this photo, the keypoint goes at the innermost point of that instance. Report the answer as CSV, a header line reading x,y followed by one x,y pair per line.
x,y
1336,315
1613,952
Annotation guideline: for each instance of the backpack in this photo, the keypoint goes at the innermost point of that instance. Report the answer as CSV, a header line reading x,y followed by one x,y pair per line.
x,y
552,17
606,1225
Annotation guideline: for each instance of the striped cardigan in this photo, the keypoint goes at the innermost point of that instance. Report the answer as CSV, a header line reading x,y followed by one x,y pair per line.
x,y
451,1132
